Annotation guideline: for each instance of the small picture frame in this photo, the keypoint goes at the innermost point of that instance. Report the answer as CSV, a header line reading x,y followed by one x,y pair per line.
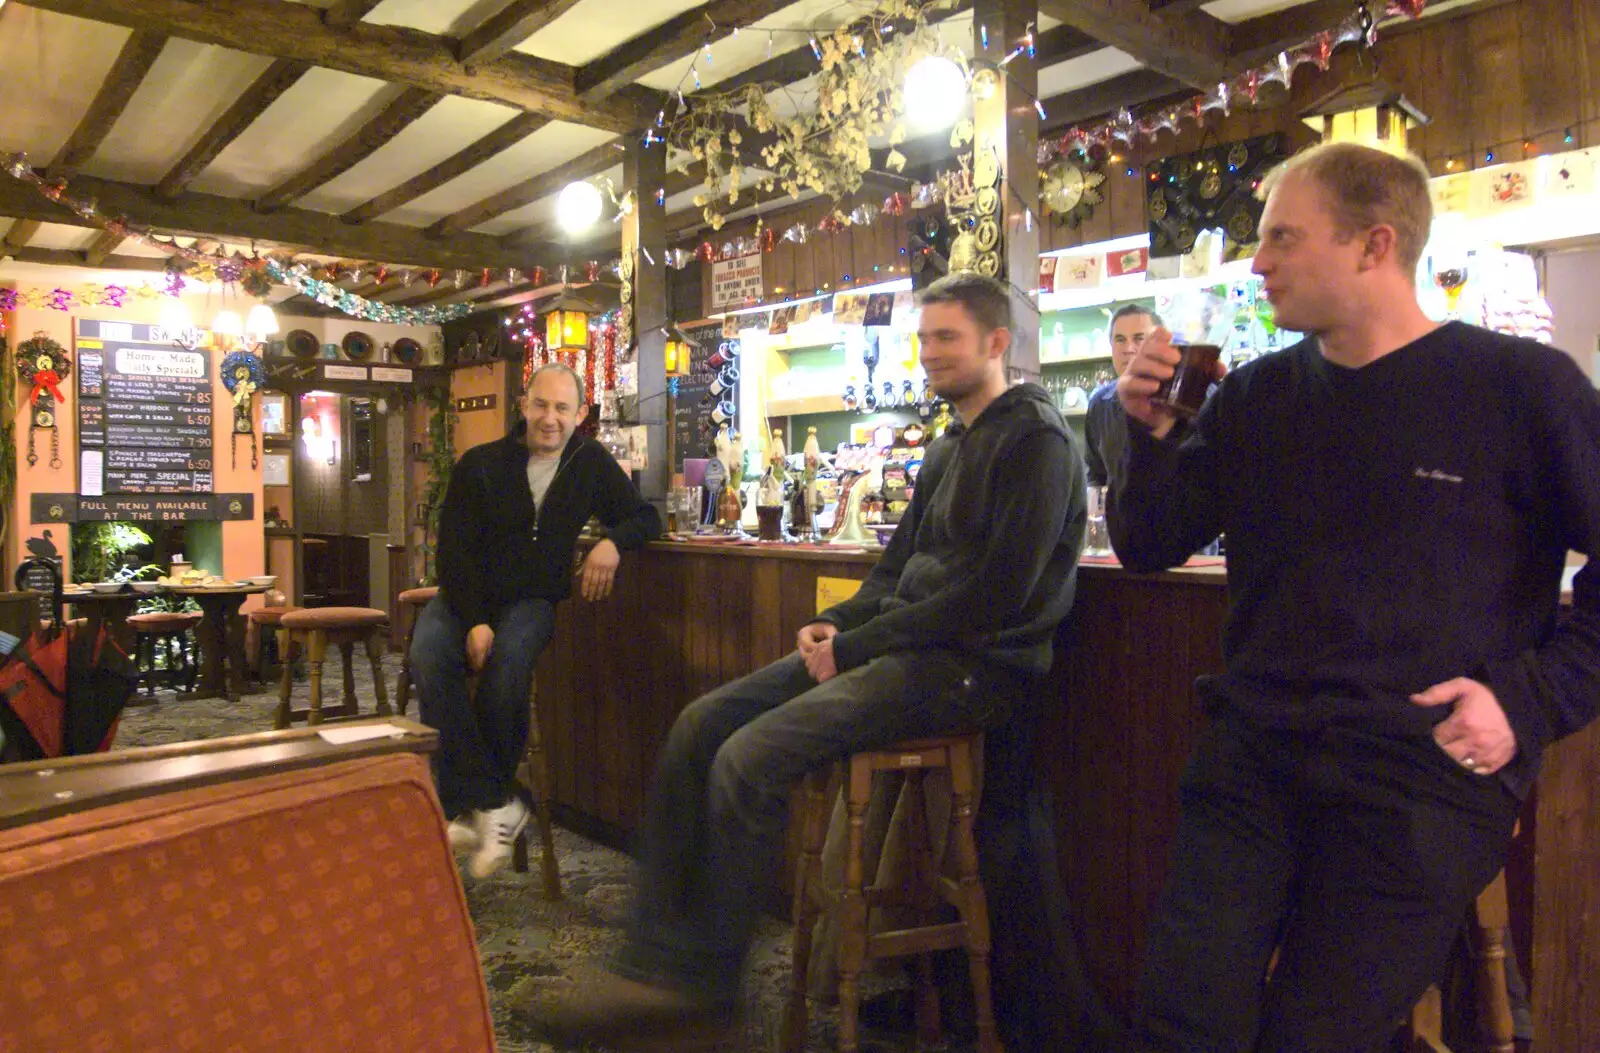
x,y
274,413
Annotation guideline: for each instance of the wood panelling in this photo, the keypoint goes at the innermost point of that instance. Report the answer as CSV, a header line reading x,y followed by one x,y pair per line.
x,y
1490,79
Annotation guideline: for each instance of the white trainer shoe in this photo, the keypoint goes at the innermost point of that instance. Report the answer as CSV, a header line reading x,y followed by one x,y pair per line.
x,y
464,833
500,827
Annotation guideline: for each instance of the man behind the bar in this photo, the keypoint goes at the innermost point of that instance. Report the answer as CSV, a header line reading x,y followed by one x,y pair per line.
x,y
511,516
949,632
1399,499
1105,423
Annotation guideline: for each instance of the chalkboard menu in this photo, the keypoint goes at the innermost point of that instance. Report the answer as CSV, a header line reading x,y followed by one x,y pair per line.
x,y
144,412
691,419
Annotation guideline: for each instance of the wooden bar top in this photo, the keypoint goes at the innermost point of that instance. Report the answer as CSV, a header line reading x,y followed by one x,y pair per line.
x,y
37,790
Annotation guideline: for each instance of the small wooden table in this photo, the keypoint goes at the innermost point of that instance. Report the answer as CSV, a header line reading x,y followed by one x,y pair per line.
x,y
107,609
221,635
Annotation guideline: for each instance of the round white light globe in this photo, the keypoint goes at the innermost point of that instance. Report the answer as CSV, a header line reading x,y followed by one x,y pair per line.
x,y
934,93
578,206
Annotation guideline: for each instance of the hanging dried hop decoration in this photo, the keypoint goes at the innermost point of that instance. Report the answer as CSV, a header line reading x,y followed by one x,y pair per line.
x,y
42,364
242,373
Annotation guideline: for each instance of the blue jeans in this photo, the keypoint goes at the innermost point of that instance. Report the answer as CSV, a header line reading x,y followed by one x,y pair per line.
x,y
711,829
479,745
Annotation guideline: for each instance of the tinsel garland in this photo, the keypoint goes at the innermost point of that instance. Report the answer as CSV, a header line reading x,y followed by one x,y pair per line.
x,y
59,299
298,277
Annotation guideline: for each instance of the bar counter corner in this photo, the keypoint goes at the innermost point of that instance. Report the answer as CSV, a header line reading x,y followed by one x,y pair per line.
x,y
686,617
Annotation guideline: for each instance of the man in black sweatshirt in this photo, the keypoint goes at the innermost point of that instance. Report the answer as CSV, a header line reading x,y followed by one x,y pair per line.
x,y
511,517
1399,498
954,622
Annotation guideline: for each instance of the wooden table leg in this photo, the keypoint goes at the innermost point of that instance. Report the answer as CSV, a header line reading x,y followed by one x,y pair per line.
x,y
212,634
233,631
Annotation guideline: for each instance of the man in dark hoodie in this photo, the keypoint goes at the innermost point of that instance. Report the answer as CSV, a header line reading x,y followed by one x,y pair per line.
x,y
510,520
954,622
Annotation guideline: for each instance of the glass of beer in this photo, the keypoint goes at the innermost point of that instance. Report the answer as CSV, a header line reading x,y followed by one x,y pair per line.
x,y
1200,322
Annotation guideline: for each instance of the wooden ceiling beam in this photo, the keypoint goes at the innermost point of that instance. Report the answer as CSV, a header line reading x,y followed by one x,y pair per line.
x,y
18,234
273,82
1256,40
469,157
403,56
104,245
69,258
208,215
138,54
360,145
678,38
1191,46
1133,88
347,12
1062,44
584,166
502,31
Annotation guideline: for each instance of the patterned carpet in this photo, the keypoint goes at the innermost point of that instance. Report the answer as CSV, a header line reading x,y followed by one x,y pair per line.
x,y
524,942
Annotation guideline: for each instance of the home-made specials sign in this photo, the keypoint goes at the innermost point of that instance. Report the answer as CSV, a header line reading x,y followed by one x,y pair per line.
x,y
144,412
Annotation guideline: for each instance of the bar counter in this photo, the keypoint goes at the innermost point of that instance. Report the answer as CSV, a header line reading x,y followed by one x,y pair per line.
x,y
686,617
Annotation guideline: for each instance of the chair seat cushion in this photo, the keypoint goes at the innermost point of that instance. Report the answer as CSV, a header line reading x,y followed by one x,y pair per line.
x,y
419,596
334,618
164,621
269,615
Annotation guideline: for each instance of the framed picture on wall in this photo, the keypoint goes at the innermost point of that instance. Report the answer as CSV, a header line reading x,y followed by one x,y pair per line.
x,y
274,413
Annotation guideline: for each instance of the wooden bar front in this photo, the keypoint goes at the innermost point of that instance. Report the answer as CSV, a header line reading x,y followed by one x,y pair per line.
x,y
686,618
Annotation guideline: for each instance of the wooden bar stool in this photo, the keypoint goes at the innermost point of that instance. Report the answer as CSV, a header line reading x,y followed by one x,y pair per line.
x,y
170,631
263,624
1490,916
534,774
416,599
925,887
315,628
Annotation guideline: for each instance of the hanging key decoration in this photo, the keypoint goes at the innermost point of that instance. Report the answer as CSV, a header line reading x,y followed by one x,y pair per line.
x,y
42,364
242,373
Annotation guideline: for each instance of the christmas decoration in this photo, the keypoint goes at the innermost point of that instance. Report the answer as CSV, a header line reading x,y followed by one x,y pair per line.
x,y
42,364
1070,190
242,374
1209,188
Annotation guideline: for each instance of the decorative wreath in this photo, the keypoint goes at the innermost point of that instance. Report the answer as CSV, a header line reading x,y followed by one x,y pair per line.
x,y
43,364
242,373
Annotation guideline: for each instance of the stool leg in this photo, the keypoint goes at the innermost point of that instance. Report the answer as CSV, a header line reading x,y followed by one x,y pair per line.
x,y
539,785
375,657
814,809
923,898
973,908
189,648
347,652
403,684
146,662
853,909
284,715
317,649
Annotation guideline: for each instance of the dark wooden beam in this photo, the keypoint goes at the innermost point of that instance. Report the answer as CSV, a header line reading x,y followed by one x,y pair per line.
x,y
68,258
208,215
403,56
1172,7
277,79
507,135
585,165
1133,88
1191,46
19,233
502,31
138,54
361,144
1257,39
104,245
680,37
1062,44
347,12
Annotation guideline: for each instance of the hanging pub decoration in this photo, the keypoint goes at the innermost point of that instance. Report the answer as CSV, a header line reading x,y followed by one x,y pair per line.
x,y
1070,188
42,364
242,373
1212,188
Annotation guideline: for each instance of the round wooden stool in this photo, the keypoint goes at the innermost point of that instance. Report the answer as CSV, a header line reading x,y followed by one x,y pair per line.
x,y
314,629
925,886
416,599
170,631
263,622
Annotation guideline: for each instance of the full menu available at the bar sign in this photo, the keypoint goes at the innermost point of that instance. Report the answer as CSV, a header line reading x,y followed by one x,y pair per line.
x,y
144,412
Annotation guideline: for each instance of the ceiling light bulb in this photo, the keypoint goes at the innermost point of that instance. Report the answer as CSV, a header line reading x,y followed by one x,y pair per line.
x,y
578,207
935,90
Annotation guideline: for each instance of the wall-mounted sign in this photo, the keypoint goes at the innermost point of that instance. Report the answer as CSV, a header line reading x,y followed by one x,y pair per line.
x,y
391,375
736,282
344,372
474,402
71,508
144,412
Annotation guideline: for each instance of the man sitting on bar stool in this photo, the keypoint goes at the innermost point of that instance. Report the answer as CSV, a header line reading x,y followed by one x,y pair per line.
x,y
1399,499
511,517
954,623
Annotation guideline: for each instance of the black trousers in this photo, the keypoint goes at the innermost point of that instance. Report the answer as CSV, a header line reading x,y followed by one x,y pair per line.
x,y
1354,854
